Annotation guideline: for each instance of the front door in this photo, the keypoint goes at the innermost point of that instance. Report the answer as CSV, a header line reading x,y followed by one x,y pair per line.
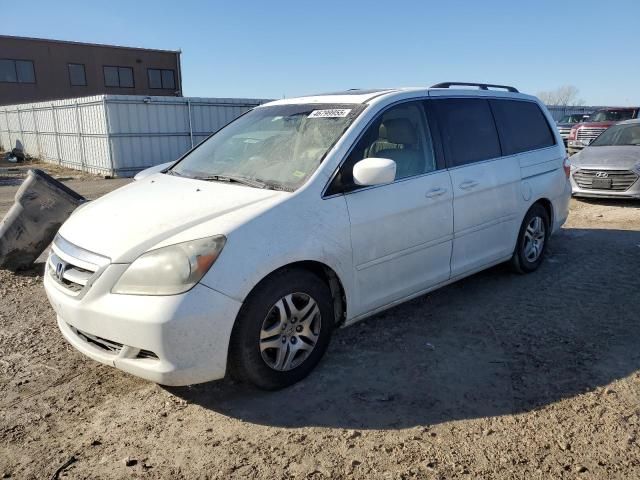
x,y
402,232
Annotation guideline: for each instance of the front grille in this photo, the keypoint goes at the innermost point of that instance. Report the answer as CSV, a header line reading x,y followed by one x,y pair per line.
x,y
589,133
72,277
110,346
621,180
73,268
564,131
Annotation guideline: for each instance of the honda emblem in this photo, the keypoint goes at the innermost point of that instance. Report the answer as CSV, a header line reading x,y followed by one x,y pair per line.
x,y
60,269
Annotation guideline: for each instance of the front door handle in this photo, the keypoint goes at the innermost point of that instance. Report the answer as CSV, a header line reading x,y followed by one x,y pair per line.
x,y
468,184
435,192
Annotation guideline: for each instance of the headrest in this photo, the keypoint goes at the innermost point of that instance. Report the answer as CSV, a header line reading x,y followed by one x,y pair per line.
x,y
398,130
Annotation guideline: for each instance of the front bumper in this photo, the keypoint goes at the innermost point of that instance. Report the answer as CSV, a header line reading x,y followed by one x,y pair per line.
x,y
171,340
604,194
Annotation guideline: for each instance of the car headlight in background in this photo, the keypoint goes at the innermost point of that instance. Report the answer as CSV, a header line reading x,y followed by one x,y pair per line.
x,y
170,270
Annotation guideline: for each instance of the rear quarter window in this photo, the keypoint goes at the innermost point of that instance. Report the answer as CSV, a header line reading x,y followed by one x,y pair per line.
x,y
522,126
468,131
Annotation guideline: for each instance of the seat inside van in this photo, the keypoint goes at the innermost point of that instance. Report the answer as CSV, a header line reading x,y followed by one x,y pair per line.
x,y
398,141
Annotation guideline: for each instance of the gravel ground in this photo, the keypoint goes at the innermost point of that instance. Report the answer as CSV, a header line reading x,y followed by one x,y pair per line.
x,y
497,376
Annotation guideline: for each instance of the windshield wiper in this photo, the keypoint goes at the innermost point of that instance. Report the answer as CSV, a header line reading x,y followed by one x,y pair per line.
x,y
250,182
174,173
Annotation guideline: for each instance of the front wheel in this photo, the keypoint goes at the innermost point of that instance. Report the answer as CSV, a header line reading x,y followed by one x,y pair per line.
x,y
532,240
282,330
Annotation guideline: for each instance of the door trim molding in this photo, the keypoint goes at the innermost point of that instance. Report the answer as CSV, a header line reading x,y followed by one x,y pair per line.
x,y
482,226
406,251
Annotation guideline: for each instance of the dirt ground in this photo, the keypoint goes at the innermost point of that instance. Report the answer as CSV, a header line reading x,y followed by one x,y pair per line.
x,y
497,376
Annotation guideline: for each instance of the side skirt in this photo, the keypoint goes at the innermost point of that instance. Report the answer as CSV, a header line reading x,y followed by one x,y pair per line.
x,y
362,316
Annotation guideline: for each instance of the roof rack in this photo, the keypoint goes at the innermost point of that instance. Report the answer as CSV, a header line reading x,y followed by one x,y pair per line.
x,y
481,86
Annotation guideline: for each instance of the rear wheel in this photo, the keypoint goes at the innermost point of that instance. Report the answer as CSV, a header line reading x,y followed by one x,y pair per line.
x,y
532,240
282,330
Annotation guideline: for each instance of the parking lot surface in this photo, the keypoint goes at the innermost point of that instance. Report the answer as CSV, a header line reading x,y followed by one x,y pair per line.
x,y
497,376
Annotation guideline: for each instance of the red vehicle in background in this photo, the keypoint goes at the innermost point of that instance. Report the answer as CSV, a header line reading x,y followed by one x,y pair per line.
x,y
584,133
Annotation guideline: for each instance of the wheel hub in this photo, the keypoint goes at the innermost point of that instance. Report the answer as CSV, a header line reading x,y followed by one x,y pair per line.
x,y
534,238
290,331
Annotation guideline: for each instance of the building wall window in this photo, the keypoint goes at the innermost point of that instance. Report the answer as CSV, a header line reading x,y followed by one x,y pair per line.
x,y
161,78
17,71
77,75
118,77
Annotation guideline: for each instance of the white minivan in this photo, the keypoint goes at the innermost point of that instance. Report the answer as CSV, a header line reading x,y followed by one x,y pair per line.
x,y
302,215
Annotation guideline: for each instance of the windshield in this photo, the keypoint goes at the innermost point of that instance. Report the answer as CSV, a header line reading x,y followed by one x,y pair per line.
x,y
574,118
275,147
619,135
611,116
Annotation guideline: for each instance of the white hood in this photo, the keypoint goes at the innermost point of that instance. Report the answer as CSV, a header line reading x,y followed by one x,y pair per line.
x,y
129,221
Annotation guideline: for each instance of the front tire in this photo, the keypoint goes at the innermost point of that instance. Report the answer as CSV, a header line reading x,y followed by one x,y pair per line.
x,y
532,240
282,330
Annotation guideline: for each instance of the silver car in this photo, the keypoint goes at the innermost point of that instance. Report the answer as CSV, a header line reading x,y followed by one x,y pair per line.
x,y
610,165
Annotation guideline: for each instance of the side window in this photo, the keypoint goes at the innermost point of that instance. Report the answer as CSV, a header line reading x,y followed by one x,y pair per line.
x,y
522,126
159,78
17,71
25,71
399,134
468,130
118,77
77,75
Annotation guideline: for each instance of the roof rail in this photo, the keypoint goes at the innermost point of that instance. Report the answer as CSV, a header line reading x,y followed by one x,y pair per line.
x,y
481,86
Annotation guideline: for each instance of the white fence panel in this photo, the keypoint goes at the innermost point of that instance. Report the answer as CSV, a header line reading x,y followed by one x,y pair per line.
x,y
134,153
49,148
116,135
44,117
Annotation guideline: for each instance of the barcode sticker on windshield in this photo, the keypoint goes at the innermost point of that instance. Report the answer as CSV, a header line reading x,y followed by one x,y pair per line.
x,y
332,113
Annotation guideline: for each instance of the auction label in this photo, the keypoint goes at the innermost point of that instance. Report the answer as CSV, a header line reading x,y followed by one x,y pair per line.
x,y
332,113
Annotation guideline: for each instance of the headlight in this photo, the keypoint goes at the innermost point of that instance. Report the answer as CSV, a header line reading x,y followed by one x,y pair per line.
x,y
170,270
636,168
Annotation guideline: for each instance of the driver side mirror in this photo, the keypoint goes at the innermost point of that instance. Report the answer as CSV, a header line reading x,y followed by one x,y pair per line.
x,y
374,171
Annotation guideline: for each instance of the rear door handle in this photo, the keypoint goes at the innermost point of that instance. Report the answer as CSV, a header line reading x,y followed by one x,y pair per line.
x,y
435,192
468,184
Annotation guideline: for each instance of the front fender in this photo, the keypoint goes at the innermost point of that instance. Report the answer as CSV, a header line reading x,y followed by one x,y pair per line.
x,y
293,231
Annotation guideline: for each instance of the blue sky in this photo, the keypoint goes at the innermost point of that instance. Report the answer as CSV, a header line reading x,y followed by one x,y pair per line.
x,y
270,49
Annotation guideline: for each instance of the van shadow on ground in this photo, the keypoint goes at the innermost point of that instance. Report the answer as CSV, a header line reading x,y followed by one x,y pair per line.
x,y
496,343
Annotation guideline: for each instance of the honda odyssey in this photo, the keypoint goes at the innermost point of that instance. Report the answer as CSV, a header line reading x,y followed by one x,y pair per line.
x,y
302,215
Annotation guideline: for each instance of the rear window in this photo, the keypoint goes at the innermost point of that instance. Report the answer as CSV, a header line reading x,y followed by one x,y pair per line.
x,y
522,126
468,130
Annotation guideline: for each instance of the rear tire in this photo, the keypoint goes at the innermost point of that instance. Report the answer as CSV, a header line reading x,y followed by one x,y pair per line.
x,y
532,240
282,330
